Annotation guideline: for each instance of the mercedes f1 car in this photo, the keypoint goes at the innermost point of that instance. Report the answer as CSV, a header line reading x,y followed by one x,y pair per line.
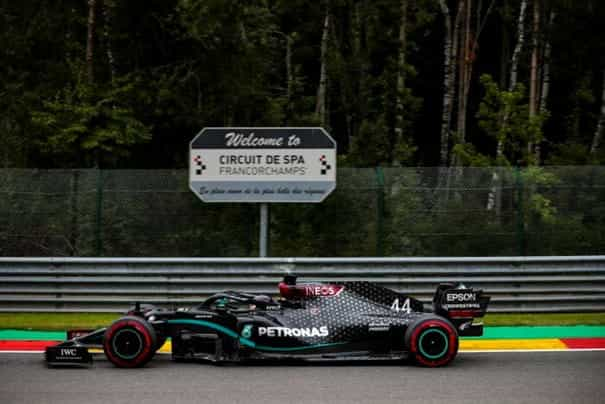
x,y
311,321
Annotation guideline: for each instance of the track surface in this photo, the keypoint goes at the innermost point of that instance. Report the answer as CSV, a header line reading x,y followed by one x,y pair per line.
x,y
544,377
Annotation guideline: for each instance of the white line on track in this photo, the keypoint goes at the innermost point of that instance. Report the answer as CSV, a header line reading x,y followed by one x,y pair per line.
x,y
460,352
533,350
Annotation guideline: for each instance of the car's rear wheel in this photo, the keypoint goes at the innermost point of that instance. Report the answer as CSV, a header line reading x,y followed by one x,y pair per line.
x,y
432,341
129,342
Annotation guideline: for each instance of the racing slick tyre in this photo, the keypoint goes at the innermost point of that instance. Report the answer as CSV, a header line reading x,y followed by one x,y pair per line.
x,y
129,342
432,341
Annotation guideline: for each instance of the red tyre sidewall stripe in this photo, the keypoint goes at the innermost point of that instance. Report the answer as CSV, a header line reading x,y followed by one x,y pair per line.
x,y
452,346
109,349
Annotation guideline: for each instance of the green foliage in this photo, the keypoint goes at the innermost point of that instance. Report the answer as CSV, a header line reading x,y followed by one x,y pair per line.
x,y
504,116
404,149
89,120
371,146
180,65
402,219
469,156
538,206
542,207
553,210
570,153
197,63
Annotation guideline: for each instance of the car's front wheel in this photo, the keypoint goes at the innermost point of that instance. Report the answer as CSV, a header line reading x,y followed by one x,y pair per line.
x,y
129,342
431,341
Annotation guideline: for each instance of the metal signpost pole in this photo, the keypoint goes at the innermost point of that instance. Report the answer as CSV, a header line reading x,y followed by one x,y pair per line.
x,y
264,230
262,165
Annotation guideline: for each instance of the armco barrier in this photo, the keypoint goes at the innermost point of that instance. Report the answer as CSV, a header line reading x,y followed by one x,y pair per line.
x,y
516,284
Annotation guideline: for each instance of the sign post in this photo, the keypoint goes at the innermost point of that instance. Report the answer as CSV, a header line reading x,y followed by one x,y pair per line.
x,y
262,165
263,236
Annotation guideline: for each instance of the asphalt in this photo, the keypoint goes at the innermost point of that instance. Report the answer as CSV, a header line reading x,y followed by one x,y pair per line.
x,y
504,377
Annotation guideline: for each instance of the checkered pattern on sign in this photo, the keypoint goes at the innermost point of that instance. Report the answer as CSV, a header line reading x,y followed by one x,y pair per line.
x,y
325,167
200,165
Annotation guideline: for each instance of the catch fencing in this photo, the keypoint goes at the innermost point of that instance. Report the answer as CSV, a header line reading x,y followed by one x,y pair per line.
x,y
381,211
516,284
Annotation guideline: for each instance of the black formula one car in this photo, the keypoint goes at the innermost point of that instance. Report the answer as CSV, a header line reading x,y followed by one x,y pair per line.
x,y
311,321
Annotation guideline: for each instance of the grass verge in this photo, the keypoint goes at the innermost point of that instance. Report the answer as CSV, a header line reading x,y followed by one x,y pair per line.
x,y
64,321
55,321
492,320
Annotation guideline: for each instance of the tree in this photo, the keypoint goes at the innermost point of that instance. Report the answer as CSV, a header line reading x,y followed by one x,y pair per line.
x,y
88,118
545,83
90,41
447,94
378,64
598,135
401,67
521,128
534,100
320,107
460,48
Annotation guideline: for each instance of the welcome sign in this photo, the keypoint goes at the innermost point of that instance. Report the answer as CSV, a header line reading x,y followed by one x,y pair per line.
x,y
262,165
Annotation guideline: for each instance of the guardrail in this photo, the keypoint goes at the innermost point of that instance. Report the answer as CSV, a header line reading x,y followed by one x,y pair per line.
x,y
516,284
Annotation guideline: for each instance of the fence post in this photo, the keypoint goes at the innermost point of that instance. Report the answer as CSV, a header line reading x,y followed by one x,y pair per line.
x,y
520,213
379,212
74,234
99,215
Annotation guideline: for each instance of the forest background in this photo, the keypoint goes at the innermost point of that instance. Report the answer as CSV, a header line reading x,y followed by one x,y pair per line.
x,y
100,88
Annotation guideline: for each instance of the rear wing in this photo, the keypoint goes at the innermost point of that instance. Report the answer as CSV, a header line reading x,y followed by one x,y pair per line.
x,y
461,305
